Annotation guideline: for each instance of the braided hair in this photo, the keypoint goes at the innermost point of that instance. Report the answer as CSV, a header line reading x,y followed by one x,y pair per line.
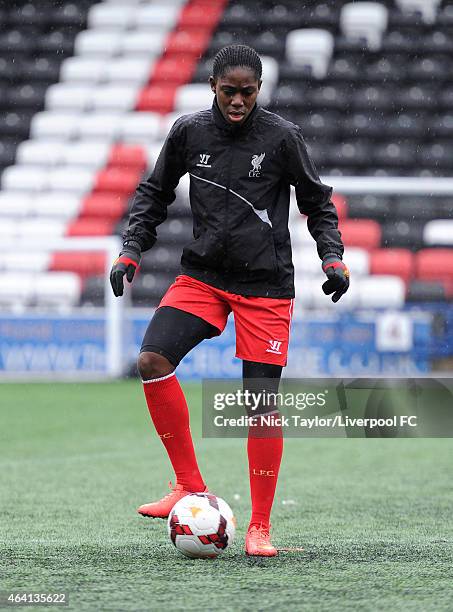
x,y
236,55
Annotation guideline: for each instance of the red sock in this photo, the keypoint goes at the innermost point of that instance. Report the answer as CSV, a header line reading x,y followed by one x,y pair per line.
x,y
168,409
264,449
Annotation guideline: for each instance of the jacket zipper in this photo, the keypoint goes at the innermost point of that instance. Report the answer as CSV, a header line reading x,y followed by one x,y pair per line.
x,y
227,202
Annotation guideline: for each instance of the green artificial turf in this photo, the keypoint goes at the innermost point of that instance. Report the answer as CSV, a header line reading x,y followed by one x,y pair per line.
x,y
374,516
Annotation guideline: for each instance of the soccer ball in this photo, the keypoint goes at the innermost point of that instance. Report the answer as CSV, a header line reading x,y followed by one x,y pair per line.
x,y
201,525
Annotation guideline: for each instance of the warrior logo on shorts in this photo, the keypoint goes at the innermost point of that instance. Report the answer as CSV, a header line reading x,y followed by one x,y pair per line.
x,y
256,162
274,347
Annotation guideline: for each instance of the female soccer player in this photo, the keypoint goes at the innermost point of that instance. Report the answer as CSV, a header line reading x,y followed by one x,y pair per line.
x,y
241,160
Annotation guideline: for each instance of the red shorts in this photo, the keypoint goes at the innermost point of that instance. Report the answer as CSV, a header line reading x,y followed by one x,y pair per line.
x,y
262,324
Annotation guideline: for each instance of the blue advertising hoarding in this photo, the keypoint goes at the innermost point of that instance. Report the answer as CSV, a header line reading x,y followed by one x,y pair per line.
x,y
331,344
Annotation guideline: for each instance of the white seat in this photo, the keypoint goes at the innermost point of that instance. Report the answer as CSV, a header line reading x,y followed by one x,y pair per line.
x,y
364,21
156,16
300,235
439,232
378,291
41,229
309,295
99,126
39,152
57,205
15,204
167,121
310,48
68,96
37,261
17,290
427,8
105,15
307,262
182,190
92,154
357,260
115,97
129,69
193,97
143,42
49,125
140,127
57,289
8,229
99,42
25,178
72,179
270,79
152,153
83,69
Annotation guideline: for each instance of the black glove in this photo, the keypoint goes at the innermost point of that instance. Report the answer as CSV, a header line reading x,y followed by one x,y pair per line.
x,y
126,264
337,274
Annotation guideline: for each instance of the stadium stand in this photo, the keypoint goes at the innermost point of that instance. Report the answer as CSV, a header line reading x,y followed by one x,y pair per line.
x,y
89,90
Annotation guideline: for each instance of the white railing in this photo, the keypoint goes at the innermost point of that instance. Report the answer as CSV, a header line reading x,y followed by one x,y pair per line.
x,y
114,307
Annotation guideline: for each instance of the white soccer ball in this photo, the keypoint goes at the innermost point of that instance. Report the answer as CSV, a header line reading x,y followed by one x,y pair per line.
x,y
201,525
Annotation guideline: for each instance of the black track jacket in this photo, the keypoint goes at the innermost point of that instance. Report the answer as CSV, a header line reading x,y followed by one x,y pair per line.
x,y
240,179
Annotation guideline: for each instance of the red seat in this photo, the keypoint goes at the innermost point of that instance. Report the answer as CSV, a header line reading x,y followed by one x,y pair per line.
x,y
188,42
434,264
118,180
364,233
105,205
159,98
84,263
437,265
127,156
341,205
175,70
90,227
202,15
397,262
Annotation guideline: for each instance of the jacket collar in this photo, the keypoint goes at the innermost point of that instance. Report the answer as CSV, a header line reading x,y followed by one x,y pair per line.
x,y
229,128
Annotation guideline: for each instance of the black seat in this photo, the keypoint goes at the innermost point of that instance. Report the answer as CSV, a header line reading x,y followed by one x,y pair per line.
x,y
40,69
57,41
93,292
27,96
425,291
16,43
162,258
395,153
408,125
175,231
364,125
287,96
15,124
148,289
436,155
371,97
370,207
7,152
402,234
269,43
352,153
444,208
412,208
441,126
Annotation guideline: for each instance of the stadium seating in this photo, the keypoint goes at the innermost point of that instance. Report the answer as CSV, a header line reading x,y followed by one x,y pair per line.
x,y
89,90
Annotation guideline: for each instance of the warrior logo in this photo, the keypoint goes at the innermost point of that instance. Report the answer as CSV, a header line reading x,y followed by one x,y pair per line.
x,y
204,158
